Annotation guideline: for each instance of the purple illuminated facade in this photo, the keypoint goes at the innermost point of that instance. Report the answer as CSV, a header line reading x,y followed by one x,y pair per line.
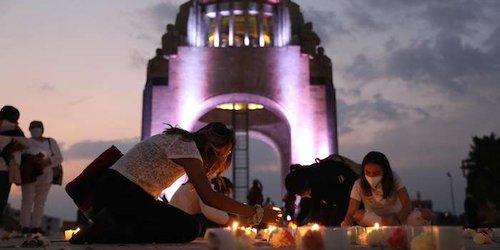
x,y
247,52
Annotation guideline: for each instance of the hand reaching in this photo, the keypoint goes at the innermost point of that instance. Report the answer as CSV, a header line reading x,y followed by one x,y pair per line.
x,y
271,216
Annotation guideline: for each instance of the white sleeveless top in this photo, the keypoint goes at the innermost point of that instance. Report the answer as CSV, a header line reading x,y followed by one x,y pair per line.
x,y
149,163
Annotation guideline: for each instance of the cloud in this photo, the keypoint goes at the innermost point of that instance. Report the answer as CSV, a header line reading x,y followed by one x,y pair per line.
x,y
362,69
365,20
453,16
138,60
160,15
90,149
47,87
446,61
326,23
376,110
493,41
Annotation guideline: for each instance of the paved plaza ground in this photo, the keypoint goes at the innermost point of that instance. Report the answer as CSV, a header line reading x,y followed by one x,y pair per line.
x,y
57,243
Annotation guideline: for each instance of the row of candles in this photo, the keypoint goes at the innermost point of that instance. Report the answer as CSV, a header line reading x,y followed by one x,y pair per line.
x,y
375,236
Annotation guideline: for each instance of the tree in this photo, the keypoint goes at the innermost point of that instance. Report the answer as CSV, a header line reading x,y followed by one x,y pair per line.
x,y
482,171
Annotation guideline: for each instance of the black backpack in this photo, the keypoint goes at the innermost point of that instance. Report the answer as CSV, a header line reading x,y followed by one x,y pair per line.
x,y
331,183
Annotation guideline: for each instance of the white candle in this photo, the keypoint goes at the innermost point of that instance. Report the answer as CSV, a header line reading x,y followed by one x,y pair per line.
x,y
448,237
335,238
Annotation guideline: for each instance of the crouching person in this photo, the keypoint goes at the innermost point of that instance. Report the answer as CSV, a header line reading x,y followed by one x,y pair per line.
x,y
383,194
125,199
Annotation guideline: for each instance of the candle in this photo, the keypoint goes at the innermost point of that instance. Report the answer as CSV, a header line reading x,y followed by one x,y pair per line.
x,y
312,239
335,238
235,226
448,237
292,227
69,233
376,236
266,233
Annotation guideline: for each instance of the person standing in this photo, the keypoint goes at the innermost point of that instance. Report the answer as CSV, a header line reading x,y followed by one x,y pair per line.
x,y
12,141
254,195
34,194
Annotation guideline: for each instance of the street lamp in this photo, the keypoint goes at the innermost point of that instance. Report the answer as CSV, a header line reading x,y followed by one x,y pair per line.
x,y
452,193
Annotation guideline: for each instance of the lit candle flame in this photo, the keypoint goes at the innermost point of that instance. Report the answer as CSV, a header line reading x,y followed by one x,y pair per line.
x,y
376,226
292,225
69,233
315,227
235,225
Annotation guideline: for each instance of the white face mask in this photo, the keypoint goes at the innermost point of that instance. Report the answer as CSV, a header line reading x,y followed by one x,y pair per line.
x,y
36,132
374,181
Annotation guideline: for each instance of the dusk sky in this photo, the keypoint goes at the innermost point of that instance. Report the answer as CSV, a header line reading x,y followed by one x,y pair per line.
x,y
414,79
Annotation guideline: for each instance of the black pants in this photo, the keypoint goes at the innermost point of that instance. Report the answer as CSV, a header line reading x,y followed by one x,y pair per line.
x,y
4,190
150,219
205,223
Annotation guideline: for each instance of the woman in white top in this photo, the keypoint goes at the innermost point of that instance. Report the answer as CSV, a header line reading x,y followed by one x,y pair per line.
x,y
187,200
34,194
125,201
384,196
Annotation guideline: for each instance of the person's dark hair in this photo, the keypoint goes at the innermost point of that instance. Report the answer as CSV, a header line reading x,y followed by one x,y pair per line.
x,y
257,184
36,124
380,159
159,52
297,181
222,185
211,141
9,113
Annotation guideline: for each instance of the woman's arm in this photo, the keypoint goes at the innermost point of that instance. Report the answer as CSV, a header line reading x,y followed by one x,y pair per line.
x,y
404,198
194,171
56,158
351,210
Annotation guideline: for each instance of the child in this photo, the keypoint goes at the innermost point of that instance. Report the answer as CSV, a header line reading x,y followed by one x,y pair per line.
x,y
383,194
187,200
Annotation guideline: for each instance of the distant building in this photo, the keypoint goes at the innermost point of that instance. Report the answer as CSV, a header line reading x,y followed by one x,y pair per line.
x,y
419,203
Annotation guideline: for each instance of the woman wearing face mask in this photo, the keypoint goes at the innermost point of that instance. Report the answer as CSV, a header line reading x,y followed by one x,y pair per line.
x,y
34,194
383,194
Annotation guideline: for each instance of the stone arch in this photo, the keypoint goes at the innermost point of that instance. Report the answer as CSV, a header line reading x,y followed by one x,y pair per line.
x,y
276,135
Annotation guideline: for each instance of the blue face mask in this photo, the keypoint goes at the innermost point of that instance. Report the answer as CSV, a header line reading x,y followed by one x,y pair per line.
x,y
36,132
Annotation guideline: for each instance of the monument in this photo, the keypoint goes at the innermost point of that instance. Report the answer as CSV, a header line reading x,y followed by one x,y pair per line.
x,y
241,63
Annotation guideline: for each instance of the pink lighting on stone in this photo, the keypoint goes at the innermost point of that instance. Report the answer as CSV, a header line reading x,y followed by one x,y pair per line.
x,y
191,93
300,119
